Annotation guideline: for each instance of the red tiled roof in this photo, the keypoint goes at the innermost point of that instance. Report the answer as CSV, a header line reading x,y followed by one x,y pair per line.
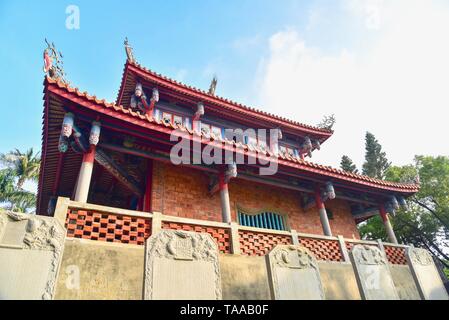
x,y
222,102
145,120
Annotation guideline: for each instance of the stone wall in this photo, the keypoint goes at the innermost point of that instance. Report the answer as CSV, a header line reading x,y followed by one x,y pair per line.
x,y
184,193
30,255
404,283
244,278
339,281
106,271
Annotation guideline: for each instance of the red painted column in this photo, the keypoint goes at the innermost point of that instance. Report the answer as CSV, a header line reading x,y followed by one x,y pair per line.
x,y
387,224
148,187
323,214
85,175
224,197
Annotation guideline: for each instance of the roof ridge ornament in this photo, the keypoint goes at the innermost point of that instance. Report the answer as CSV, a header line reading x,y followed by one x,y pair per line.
x,y
53,64
213,86
129,51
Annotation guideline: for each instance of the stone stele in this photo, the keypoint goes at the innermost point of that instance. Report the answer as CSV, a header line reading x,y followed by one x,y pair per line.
x,y
30,255
181,265
294,274
373,273
430,286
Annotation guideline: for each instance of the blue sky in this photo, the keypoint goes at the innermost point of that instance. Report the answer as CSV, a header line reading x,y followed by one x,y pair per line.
x,y
301,59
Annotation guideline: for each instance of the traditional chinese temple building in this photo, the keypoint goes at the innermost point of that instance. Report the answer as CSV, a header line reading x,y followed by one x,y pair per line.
x,y
168,193
118,155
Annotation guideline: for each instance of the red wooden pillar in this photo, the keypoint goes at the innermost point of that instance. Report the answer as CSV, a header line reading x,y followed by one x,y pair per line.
x,y
85,175
323,214
148,187
224,197
387,224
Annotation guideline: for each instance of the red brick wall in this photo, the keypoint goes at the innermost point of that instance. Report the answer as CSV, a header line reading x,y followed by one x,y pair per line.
x,y
183,192
342,222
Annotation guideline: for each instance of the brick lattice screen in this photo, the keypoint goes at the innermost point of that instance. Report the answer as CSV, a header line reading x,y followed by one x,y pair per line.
x,y
107,227
395,255
220,235
325,250
259,243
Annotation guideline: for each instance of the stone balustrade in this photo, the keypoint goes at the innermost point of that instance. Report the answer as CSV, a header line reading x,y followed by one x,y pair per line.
x,y
101,223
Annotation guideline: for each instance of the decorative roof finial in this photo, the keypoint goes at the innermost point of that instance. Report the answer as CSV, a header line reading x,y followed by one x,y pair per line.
x,y
213,86
129,51
53,64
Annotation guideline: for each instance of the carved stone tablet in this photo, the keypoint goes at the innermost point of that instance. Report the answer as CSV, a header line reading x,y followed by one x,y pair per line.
x,y
430,286
181,265
294,274
373,273
30,250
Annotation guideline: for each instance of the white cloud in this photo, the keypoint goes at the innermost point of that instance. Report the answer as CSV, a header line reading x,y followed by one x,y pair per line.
x,y
396,86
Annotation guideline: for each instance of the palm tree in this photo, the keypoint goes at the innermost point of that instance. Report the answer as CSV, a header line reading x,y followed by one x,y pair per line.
x,y
13,198
18,168
24,165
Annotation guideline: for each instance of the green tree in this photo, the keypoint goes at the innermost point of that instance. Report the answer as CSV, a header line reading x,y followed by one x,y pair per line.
x,y
376,162
425,222
347,164
24,165
13,198
327,123
18,168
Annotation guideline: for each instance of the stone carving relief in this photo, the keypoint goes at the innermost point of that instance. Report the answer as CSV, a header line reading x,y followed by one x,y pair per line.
x,y
368,255
180,245
372,273
426,275
41,234
293,257
420,256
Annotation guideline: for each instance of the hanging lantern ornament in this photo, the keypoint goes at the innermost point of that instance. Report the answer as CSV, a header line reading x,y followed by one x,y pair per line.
x,y
63,144
307,146
394,203
67,125
94,136
402,203
317,144
200,109
231,172
330,191
155,95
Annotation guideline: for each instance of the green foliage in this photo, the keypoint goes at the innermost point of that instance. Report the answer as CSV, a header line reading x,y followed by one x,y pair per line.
x,y
376,162
425,223
18,168
347,164
25,165
328,122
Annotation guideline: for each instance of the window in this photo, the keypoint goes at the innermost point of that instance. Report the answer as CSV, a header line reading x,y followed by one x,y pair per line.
x,y
287,150
205,129
216,131
177,120
264,220
168,117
